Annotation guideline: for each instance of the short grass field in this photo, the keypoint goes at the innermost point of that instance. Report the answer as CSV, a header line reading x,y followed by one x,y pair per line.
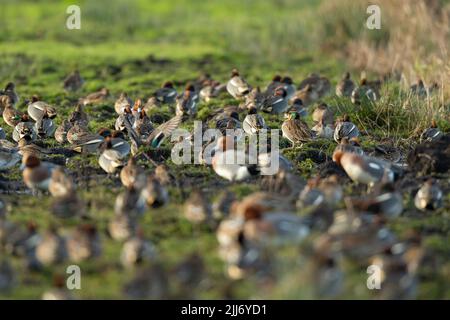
x,y
134,46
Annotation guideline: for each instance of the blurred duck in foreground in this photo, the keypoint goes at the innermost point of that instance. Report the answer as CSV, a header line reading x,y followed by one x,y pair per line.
x,y
429,196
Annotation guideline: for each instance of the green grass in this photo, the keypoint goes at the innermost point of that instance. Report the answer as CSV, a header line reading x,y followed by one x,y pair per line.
x,y
153,41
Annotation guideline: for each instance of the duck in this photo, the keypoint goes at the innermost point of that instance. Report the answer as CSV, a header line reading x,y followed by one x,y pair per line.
x,y
364,169
228,121
132,175
95,97
68,206
164,130
186,103
119,143
61,184
11,116
275,102
310,196
322,130
37,174
267,167
197,208
319,85
26,147
211,89
59,290
84,141
167,94
350,145
84,243
122,226
73,82
45,126
389,204
38,109
154,194
142,125
130,202
137,250
289,86
237,86
10,91
296,130
151,104
429,196
345,129
125,119
345,86
122,102
332,189
9,157
253,122
324,114
110,159
397,282
418,88
78,116
364,92
61,131
163,175
298,106
51,248
234,171
273,228
432,133
24,128
275,83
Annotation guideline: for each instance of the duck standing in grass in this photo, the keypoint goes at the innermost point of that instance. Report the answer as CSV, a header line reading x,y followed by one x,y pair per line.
x,y
61,131
296,130
429,196
11,115
237,86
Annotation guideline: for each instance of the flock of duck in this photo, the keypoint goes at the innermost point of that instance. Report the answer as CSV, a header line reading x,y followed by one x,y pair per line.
x,y
248,230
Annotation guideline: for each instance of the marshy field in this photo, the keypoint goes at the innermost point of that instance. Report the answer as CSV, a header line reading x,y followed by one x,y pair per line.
x,y
135,47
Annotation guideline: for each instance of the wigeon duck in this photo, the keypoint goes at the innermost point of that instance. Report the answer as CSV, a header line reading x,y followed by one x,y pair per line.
x,y
37,174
